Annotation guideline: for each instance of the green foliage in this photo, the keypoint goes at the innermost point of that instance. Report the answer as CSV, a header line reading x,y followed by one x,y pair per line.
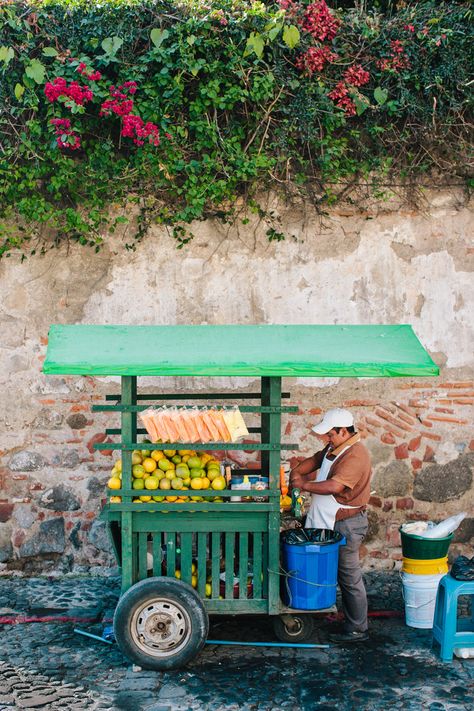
x,y
225,80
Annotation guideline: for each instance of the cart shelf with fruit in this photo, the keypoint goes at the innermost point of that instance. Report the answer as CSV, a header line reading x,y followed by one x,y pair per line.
x,y
187,555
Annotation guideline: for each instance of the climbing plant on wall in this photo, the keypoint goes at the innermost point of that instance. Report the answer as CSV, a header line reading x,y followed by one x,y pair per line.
x,y
172,110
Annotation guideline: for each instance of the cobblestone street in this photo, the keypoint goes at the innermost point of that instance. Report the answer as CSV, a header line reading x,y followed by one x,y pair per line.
x,y
48,666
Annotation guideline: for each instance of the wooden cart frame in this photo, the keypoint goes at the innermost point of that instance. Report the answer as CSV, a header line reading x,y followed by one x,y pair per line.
x,y
215,541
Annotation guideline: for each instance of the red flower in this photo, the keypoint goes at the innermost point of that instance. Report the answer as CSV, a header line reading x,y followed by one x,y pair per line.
x,y
409,28
356,75
135,128
62,130
319,21
314,59
77,93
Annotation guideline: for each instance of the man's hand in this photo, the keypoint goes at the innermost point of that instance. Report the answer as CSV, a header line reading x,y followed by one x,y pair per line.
x,y
297,481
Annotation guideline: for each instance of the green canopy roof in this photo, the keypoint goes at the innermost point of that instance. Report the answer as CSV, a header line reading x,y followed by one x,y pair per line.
x,y
281,350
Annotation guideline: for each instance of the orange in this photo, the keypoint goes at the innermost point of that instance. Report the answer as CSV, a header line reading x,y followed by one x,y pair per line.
x,y
145,498
157,454
138,484
149,465
218,483
151,482
138,471
114,482
171,498
165,484
205,482
196,483
115,499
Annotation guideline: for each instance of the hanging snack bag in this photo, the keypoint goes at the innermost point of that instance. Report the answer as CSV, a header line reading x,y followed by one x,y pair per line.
x,y
204,434
148,421
187,417
174,414
235,424
224,434
170,425
208,418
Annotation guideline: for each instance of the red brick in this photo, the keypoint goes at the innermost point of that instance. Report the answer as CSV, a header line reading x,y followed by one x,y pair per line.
x,y
372,421
405,503
419,405
392,536
414,443
401,452
464,401
471,445
426,423
18,537
396,433
429,454
44,340
388,438
468,384
288,428
363,550
417,516
416,463
360,403
438,418
430,435
95,439
445,410
396,556
378,554
393,420
375,501
315,411
47,401
80,408
443,401
408,410
387,506
5,512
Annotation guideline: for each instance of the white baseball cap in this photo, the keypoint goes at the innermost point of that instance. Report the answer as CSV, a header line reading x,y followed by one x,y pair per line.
x,y
337,417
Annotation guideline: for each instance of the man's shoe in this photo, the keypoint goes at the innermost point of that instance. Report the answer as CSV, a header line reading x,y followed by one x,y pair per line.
x,y
345,637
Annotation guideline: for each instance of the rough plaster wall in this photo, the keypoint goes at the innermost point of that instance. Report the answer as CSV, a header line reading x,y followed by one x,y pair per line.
x,y
382,265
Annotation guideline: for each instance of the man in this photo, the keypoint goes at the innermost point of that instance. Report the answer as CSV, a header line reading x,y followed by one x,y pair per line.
x,y
338,477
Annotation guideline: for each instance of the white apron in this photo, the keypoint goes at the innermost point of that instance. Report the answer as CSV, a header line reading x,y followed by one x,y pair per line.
x,y
324,507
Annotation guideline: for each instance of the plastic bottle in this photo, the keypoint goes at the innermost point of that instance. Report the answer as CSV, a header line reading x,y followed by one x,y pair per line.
x,y
244,484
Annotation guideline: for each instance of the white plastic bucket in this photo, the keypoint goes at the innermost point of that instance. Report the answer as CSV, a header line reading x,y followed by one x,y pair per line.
x,y
419,593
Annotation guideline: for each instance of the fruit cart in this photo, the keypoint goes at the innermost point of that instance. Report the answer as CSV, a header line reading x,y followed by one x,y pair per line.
x,y
230,551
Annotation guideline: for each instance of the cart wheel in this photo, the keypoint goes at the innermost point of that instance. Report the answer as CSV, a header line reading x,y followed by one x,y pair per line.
x,y
160,623
293,628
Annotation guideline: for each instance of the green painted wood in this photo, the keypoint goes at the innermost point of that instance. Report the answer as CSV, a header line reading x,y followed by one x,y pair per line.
x,y
271,396
229,564
243,564
265,565
142,430
242,351
190,445
170,554
235,607
139,408
156,552
205,493
199,522
173,513
230,396
201,562
186,545
128,426
215,562
257,540
142,555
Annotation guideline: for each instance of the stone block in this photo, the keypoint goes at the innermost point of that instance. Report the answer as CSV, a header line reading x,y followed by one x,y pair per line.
x,y
444,482
465,532
77,421
373,529
24,515
26,461
379,453
6,548
99,537
49,538
66,459
393,480
59,498
48,419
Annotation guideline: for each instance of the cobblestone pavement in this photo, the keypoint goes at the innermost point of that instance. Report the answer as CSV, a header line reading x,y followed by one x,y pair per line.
x,y
48,666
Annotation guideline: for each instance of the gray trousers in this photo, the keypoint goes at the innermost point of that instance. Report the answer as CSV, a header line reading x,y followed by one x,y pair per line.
x,y
349,576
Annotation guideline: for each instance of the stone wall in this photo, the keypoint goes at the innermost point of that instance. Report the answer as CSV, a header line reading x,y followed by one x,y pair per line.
x,y
379,264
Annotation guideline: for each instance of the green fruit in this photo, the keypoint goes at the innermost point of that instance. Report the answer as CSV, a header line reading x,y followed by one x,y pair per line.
x,y
176,459
194,463
169,452
182,471
137,458
197,473
165,465
138,484
158,498
145,453
138,471
151,482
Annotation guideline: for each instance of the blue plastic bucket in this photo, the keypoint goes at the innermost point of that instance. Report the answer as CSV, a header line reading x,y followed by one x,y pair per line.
x,y
311,568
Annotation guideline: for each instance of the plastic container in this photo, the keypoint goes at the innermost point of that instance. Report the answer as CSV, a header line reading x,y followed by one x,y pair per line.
x,y
419,593
425,567
464,652
444,528
311,566
248,481
419,548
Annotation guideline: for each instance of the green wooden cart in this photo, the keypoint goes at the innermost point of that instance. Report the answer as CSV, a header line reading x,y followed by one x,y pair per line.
x,y
162,622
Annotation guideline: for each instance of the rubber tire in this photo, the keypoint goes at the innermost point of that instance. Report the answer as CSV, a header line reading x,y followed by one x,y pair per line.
x,y
175,591
304,632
